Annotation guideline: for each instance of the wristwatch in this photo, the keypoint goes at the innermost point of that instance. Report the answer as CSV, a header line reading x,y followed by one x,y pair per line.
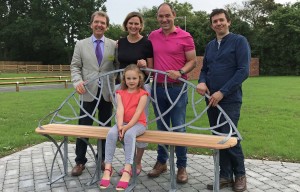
x,y
181,72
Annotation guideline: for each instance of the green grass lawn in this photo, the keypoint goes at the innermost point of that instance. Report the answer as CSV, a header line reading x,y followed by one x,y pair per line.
x,y
269,124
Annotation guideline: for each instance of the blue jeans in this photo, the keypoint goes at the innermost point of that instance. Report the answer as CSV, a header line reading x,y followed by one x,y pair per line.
x,y
176,116
232,159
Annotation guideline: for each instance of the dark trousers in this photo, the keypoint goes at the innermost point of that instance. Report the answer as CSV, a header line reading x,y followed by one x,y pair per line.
x,y
104,113
232,159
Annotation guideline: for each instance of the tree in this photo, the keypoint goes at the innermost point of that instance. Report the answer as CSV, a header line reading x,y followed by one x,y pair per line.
x,y
280,49
199,27
47,30
115,32
149,16
11,11
256,12
273,34
44,30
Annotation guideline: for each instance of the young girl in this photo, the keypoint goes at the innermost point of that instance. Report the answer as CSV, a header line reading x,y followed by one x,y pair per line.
x,y
131,122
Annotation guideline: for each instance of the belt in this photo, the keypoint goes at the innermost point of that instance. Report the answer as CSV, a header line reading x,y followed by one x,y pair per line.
x,y
174,84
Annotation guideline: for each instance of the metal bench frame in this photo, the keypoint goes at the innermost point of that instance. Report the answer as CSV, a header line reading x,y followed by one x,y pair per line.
x,y
58,117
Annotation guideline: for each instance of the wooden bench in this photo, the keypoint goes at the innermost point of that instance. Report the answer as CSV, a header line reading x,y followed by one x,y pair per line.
x,y
56,124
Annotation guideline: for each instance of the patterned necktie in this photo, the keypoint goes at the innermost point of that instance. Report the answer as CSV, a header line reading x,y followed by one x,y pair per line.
x,y
98,52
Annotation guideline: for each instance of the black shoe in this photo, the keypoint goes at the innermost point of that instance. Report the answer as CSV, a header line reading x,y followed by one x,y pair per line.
x,y
223,184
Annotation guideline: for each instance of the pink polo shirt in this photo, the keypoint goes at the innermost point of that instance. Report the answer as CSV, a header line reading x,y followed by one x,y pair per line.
x,y
169,51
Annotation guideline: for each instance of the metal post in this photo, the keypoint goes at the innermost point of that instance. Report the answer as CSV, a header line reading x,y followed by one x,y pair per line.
x,y
99,159
66,84
17,87
216,170
172,169
65,159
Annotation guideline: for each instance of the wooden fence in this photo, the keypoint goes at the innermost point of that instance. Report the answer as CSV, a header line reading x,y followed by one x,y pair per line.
x,y
17,84
20,68
38,77
17,81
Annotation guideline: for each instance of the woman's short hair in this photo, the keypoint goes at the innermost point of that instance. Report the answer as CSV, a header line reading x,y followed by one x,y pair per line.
x,y
133,14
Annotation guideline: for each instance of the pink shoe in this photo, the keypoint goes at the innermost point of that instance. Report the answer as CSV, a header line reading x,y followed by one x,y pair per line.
x,y
138,172
104,183
122,185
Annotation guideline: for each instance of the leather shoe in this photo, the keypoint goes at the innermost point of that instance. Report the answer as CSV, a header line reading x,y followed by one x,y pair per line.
x,y
222,184
158,169
182,176
240,184
77,170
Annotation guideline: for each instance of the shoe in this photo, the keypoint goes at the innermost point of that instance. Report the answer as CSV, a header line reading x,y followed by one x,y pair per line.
x,y
182,176
222,184
158,169
240,184
77,170
138,171
104,183
122,185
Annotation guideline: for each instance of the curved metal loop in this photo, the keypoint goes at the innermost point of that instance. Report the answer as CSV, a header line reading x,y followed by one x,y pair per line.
x,y
58,151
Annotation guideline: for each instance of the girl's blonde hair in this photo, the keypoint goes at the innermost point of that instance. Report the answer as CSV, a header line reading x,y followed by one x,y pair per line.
x,y
133,67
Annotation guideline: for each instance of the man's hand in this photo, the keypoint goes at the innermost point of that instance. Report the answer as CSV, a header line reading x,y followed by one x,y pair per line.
x,y
173,74
215,98
80,88
202,89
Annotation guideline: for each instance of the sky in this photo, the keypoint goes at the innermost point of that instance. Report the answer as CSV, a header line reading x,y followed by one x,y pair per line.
x,y
118,9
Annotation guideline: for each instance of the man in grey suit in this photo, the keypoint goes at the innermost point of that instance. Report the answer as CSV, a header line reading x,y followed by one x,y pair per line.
x,y
93,56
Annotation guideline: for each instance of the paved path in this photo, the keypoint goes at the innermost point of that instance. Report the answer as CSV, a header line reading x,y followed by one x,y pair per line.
x,y
28,170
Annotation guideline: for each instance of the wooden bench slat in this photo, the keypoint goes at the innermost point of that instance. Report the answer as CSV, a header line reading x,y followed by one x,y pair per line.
x,y
186,139
74,130
150,136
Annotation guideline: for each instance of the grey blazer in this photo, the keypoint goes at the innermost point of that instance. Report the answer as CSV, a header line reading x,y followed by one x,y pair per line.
x,y
84,66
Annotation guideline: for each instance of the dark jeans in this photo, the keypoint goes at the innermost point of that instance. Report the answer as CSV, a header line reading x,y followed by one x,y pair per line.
x,y
176,116
232,159
104,113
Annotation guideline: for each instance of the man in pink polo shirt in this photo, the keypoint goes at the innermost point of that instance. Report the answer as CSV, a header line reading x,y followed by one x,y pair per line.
x,y
174,52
